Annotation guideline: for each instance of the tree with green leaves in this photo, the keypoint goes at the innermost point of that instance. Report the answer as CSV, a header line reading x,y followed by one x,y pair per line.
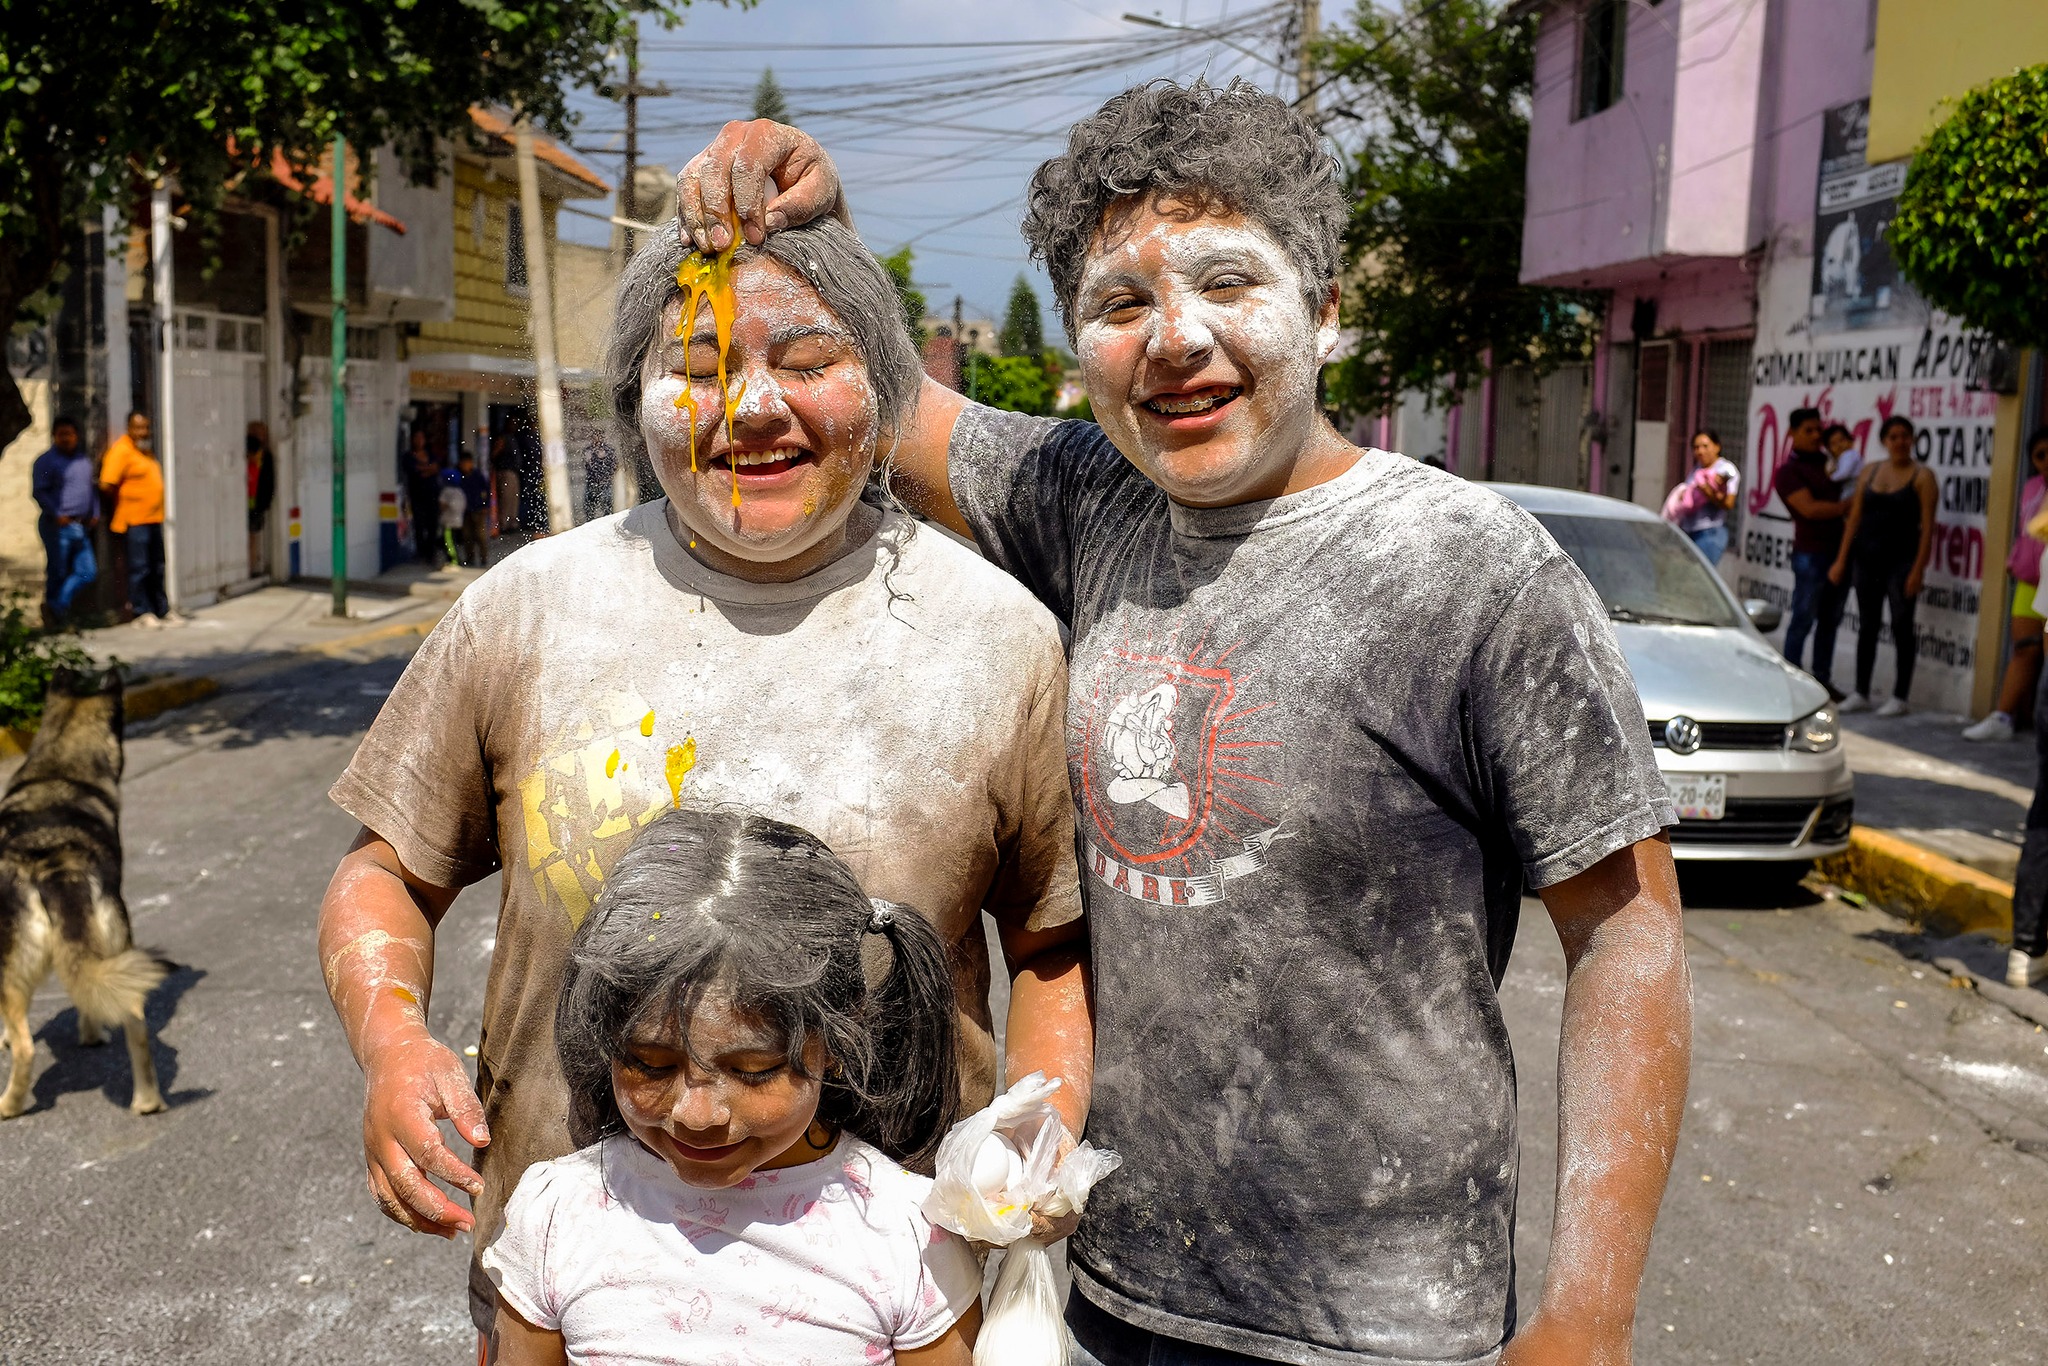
x,y
768,100
1971,232
1023,331
1439,91
101,98
897,263
1020,384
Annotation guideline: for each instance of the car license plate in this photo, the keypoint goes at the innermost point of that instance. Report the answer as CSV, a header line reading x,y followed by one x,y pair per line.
x,y
1698,796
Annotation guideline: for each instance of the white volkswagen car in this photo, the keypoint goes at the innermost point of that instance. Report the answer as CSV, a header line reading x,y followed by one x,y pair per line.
x,y
1748,744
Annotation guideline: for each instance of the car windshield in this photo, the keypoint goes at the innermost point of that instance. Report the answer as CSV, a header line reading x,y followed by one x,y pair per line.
x,y
1644,571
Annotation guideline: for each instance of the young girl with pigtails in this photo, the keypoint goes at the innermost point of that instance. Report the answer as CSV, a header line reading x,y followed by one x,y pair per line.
x,y
754,1054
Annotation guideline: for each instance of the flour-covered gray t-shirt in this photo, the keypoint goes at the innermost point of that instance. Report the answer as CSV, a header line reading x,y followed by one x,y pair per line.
x,y
1316,744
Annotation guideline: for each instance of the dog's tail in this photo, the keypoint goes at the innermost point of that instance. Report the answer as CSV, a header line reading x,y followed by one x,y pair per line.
x,y
108,978
113,989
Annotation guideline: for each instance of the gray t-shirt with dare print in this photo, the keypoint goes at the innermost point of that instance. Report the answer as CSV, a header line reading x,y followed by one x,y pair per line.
x,y
1316,744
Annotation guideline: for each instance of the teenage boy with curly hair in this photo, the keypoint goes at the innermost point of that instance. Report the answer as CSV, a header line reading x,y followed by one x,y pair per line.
x,y
1329,710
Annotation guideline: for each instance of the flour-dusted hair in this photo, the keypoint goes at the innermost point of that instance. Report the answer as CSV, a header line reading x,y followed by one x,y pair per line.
x,y
1234,148
760,914
828,255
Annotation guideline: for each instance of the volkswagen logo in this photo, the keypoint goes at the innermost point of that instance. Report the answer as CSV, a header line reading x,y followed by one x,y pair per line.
x,y
1682,734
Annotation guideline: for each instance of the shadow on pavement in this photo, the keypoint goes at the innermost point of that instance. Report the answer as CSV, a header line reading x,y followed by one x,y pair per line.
x,y
322,698
1744,886
104,1067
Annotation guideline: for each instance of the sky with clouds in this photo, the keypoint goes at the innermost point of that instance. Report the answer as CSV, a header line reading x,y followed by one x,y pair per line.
x,y
935,143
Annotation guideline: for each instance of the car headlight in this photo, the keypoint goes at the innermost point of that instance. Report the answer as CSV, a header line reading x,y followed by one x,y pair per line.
x,y
1816,733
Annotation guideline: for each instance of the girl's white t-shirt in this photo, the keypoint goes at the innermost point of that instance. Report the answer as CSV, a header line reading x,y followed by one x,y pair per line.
x,y
832,1261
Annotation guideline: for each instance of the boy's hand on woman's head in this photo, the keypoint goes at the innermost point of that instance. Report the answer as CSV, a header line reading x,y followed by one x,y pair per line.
x,y
771,175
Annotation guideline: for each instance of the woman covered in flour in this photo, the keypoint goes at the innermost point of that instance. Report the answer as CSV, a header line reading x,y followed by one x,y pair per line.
x,y
771,637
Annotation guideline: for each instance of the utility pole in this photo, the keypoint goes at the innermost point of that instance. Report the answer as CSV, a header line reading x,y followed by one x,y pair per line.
x,y
1310,23
338,364
960,349
164,297
628,184
540,299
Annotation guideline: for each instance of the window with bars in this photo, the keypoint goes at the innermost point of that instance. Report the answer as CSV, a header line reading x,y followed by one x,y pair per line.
x,y
1724,406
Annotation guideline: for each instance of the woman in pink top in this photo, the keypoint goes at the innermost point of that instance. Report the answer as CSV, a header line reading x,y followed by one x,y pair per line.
x,y
2024,564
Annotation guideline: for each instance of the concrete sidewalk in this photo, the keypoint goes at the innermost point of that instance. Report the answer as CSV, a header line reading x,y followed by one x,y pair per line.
x,y
1917,778
1939,822
246,637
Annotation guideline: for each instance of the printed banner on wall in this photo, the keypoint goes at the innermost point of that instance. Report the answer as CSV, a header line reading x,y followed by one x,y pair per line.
x,y
1856,285
1922,373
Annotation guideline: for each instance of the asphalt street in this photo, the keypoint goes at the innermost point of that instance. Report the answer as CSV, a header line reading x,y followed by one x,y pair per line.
x,y
1861,1177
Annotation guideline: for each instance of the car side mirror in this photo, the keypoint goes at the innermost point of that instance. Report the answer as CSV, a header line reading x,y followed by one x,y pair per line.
x,y
1763,614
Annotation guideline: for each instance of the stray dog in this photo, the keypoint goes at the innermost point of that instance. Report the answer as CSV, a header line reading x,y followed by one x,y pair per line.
x,y
60,885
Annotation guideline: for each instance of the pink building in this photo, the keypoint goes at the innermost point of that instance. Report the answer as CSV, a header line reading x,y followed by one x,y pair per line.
x,y
1673,154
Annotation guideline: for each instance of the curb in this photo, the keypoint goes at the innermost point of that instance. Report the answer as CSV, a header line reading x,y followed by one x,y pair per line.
x,y
148,700
1939,895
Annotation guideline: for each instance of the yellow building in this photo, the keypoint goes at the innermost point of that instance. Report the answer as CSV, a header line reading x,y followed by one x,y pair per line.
x,y
1929,53
470,363
1932,51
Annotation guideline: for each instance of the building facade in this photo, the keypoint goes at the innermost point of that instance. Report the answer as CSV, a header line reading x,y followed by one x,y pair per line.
x,y
1708,165
210,329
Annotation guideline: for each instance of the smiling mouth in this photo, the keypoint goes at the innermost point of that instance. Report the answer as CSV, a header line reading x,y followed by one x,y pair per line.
x,y
764,464
700,1154
1194,403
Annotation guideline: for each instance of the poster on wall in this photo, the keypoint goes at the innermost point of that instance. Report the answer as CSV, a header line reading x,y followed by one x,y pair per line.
x,y
1856,285
1926,374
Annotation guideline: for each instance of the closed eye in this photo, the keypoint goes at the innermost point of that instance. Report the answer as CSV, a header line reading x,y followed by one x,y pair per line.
x,y
760,1076
645,1066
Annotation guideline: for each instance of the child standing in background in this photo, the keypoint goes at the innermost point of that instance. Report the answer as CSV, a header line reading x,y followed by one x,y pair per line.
x,y
752,1049
476,492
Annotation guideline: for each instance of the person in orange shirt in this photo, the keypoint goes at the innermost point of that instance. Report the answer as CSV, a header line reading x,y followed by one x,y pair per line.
x,y
133,481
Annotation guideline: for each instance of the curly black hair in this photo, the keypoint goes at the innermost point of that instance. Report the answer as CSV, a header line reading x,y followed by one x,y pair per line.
x,y
1236,148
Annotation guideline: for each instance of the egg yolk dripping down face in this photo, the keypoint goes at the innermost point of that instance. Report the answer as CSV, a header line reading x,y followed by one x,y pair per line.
x,y
706,282
758,413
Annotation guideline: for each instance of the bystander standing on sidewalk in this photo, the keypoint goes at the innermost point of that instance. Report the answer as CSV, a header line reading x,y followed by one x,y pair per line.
x,y
1817,507
2023,669
262,477
68,507
1885,546
133,482
476,491
1699,506
2027,961
423,491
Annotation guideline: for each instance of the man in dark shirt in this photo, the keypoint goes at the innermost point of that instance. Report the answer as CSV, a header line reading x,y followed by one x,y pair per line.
x,y
61,482
1813,498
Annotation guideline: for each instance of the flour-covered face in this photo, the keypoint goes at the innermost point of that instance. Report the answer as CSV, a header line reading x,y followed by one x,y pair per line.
x,y
1199,350
803,433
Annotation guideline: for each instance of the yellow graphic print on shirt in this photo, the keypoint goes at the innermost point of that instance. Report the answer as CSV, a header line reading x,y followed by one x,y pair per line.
x,y
604,777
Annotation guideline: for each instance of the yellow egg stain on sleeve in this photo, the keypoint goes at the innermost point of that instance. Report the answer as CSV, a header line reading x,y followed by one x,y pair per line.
x,y
681,759
647,724
707,282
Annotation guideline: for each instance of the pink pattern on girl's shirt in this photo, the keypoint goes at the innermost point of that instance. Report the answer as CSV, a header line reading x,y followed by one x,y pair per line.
x,y
838,1266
